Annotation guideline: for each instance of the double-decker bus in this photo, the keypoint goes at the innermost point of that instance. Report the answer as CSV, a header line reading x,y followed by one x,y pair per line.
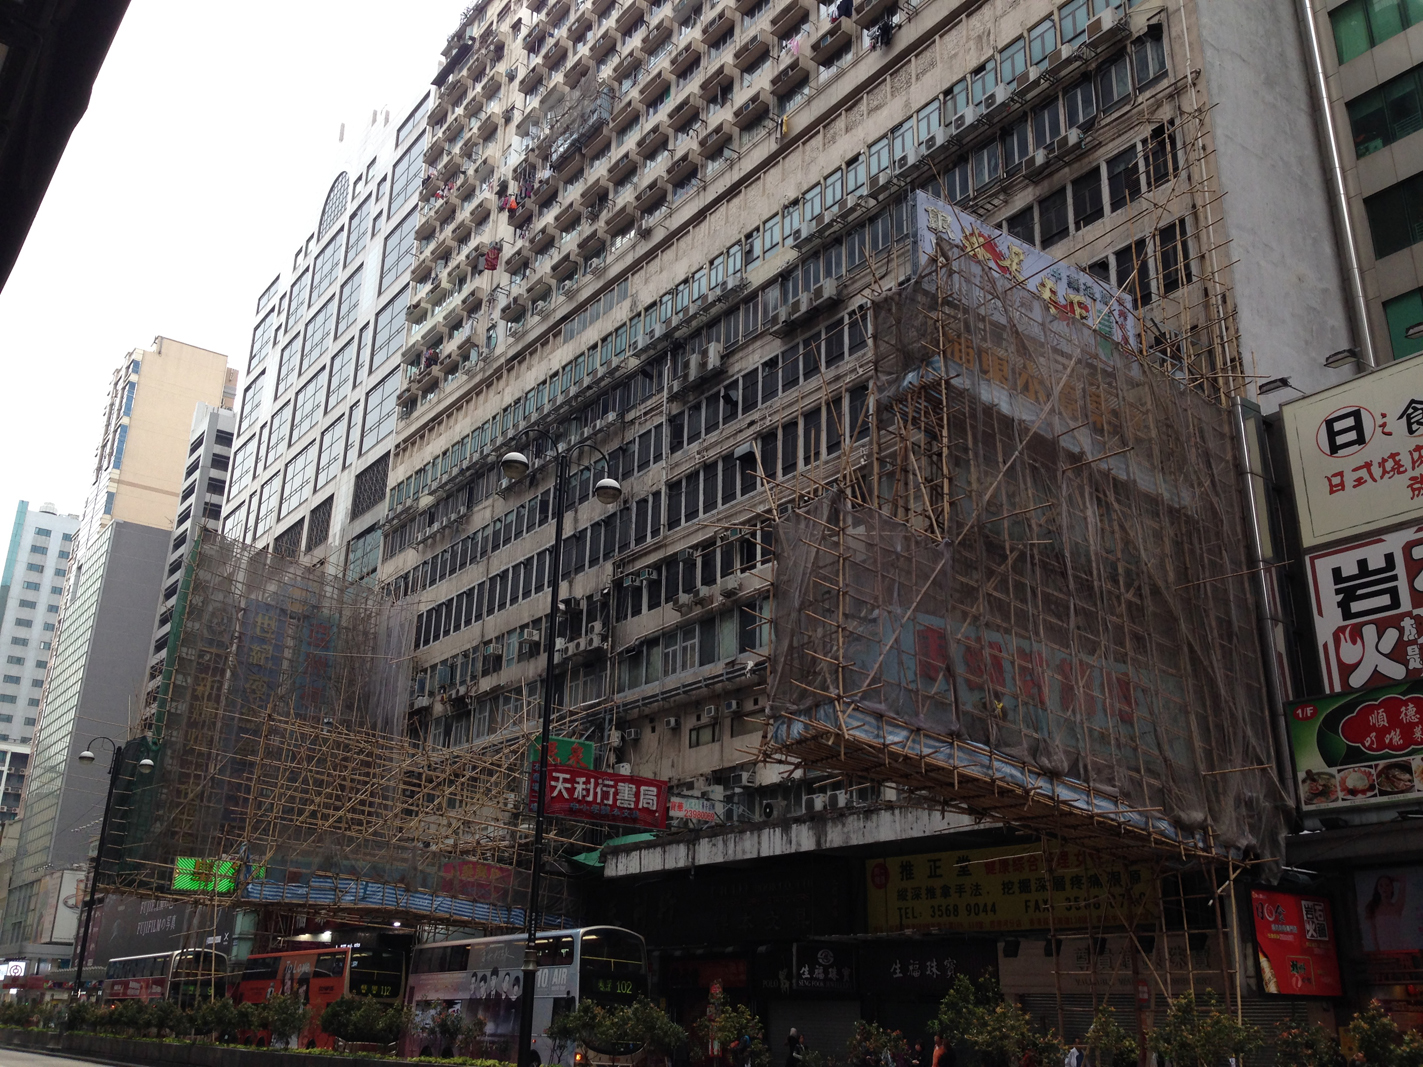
x,y
317,976
184,976
483,977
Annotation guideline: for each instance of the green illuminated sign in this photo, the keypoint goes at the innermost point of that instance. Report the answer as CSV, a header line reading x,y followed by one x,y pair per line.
x,y
565,752
194,875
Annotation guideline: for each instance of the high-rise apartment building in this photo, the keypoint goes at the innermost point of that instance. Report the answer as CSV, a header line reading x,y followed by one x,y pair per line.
x,y
318,404
1368,59
104,641
656,227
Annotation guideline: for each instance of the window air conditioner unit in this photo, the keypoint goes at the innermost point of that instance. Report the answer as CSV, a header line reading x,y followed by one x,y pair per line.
x,y
632,733
622,768
712,357
709,713
672,722
1106,29
996,104
1025,81
826,292
730,586
910,157
683,603
731,707
874,184
1058,60
594,643
935,138
1036,163
815,802
1068,145
686,554
965,118
743,779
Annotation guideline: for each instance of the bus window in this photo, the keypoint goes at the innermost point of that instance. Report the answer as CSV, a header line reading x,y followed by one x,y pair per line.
x,y
262,969
330,965
434,959
377,972
555,951
612,966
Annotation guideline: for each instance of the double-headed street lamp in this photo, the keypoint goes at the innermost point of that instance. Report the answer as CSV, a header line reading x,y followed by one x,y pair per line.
x,y
515,465
145,766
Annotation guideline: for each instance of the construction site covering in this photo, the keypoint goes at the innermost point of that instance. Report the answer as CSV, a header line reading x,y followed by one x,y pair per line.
x,y
284,775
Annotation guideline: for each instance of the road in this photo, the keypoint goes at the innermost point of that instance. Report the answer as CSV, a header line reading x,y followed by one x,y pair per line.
x,y
10,1057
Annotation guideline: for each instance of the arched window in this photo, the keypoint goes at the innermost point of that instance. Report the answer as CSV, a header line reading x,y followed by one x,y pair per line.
x,y
335,204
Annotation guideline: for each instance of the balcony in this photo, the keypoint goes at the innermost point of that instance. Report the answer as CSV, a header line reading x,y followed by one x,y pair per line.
x,y
751,109
751,48
629,15
716,136
788,17
657,33
618,216
563,266
621,167
791,72
653,88
717,80
542,238
602,44
552,59
686,57
590,239
595,190
651,141
717,27
531,81
653,193
515,308
578,69
681,166
488,125
831,41
567,216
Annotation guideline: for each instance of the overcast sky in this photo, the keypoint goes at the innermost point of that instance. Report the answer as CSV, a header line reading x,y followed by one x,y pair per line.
x,y
202,162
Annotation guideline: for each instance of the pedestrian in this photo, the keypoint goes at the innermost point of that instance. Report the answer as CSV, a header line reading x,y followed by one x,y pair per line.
x,y
795,1049
916,1055
938,1060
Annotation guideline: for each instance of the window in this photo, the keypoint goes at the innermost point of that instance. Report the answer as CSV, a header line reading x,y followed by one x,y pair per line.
x,y
1149,55
390,329
328,262
1052,217
266,505
956,99
983,81
261,339
1022,226
1081,104
277,432
985,165
1402,312
297,486
243,462
252,402
363,555
358,230
1042,39
1133,266
1361,24
269,292
339,379
1113,83
1174,255
296,302
406,175
120,440
329,460
771,230
1395,217
308,404
286,366
958,183
380,411
1074,16
855,176
1087,199
1123,179
399,249
350,301
316,339
1015,147
1385,114
1012,61
1047,124
409,123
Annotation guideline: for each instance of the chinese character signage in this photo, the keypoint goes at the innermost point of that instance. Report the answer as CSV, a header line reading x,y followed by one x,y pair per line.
x,y
923,966
1354,749
566,752
1294,936
1368,602
1016,887
694,809
602,796
1356,453
1072,293
823,967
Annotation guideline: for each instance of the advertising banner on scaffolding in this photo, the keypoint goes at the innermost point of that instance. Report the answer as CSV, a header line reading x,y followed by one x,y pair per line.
x,y
1356,453
1359,749
602,796
1072,293
1367,598
1294,942
1015,887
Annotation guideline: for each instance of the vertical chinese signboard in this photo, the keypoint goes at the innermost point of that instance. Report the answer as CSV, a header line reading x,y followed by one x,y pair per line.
x,y
1356,453
1367,599
603,797
1359,749
1294,936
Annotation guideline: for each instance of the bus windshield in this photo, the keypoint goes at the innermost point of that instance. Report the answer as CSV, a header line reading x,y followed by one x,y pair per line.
x,y
612,966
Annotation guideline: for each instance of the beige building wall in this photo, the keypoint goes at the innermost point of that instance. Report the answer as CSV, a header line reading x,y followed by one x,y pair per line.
x,y
169,380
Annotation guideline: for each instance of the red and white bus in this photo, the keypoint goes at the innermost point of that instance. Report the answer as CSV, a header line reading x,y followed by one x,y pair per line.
x,y
184,977
483,977
319,976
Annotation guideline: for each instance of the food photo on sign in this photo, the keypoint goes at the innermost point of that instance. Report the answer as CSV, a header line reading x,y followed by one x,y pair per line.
x,y
1294,941
1354,749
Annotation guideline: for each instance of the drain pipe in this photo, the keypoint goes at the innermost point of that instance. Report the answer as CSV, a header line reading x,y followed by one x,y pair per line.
x,y
1343,222
1255,487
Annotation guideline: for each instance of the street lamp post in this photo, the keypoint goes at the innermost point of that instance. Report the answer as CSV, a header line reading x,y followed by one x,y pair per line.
x,y
87,757
515,465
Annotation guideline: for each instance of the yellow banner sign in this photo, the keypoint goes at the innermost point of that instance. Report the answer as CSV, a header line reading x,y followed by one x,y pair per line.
x,y
1016,887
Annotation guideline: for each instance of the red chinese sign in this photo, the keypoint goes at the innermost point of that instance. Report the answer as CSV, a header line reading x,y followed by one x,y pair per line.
x,y
1368,603
1391,725
1294,936
603,797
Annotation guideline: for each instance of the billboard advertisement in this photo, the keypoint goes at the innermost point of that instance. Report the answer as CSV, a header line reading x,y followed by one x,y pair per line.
x,y
1356,453
1367,602
1294,940
1359,749
1390,921
602,796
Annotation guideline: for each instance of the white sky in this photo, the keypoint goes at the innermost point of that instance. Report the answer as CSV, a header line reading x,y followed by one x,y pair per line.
x,y
202,163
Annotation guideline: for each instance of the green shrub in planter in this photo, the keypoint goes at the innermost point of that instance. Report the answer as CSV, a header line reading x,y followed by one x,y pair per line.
x,y
359,1019
285,1017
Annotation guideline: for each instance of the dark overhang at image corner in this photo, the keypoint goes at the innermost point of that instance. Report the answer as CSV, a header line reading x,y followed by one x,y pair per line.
x,y
53,52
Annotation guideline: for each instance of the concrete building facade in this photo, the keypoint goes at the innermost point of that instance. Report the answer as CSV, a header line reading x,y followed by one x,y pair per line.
x,y
1368,77
318,405
103,643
